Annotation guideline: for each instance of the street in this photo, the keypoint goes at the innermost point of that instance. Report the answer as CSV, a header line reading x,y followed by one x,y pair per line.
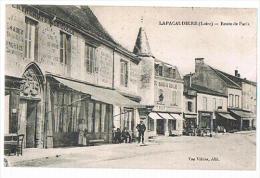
x,y
231,151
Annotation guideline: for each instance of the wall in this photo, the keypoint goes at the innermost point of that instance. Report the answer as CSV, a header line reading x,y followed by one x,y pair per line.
x,y
205,76
210,103
168,86
146,84
48,50
186,99
249,97
133,75
234,92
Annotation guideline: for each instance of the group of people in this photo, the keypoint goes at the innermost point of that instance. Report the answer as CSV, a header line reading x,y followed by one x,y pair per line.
x,y
125,136
118,135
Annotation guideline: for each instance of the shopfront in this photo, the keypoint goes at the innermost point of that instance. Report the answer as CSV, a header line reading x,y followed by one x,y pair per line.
x,y
73,102
205,120
225,120
165,123
244,118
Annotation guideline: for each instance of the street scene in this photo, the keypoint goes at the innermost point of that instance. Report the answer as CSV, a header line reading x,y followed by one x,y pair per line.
x,y
222,151
130,87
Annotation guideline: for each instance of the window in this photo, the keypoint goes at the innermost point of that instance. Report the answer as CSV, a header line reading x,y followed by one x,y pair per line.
x,y
171,125
220,104
127,119
173,73
156,67
170,71
214,103
150,124
66,114
64,48
123,73
204,103
160,70
237,101
189,106
30,38
174,98
90,59
231,100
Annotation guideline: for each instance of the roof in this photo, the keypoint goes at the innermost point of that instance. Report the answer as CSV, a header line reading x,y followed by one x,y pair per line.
x,y
230,83
202,89
231,79
162,62
83,18
142,47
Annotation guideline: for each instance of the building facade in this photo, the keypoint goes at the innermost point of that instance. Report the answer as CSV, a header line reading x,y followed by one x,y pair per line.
x,y
234,116
62,70
161,87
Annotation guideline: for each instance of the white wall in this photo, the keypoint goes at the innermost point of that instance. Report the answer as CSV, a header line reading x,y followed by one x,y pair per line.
x,y
235,92
210,103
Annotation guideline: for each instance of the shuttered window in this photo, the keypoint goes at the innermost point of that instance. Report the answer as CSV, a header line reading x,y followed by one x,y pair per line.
x,y
123,73
30,38
64,48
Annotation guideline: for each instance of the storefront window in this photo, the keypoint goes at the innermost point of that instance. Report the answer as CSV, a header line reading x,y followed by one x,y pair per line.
x,y
172,124
97,117
150,124
90,117
66,111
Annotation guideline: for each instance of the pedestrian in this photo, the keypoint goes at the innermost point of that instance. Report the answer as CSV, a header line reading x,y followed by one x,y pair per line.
x,y
118,136
82,138
141,129
126,137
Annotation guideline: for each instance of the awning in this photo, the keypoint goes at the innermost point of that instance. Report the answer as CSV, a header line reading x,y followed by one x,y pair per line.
x,y
166,116
105,95
190,116
176,116
227,116
242,114
154,115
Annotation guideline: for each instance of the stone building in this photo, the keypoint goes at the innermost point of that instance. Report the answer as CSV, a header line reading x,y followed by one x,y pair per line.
x,y
233,115
63,69
161,87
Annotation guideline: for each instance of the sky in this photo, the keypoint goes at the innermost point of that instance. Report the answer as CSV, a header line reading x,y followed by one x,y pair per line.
x,y
225,47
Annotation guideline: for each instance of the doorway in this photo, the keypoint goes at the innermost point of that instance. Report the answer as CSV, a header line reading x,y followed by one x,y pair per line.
x,y
31,123
160,126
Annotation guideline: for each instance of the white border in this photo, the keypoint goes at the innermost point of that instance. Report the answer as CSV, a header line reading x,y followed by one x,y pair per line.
x,y
43,172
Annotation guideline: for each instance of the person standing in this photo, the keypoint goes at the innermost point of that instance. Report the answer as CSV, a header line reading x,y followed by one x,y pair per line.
x,y
141,129
82,139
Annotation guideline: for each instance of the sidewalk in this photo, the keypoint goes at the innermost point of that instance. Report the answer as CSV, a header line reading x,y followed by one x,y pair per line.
x,y
94,152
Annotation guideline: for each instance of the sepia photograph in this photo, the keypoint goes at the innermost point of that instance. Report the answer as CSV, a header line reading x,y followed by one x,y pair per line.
x,y
130,87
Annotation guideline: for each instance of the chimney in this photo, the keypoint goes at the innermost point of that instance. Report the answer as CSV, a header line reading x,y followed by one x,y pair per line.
x,y
236,73
199,60
198,63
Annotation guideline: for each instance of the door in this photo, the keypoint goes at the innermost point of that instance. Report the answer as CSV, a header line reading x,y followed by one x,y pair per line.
x,y
31,124
160,126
